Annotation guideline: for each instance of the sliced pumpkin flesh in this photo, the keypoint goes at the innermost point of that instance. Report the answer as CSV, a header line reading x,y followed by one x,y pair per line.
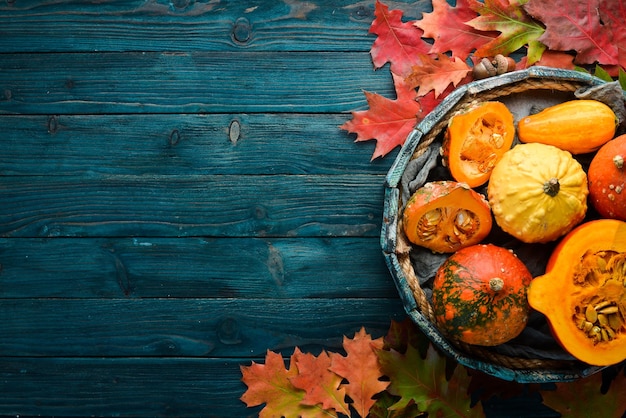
x,y
445,216
475,141
583,292
600,308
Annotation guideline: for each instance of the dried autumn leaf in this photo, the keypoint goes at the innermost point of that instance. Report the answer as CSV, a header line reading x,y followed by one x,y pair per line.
x,y
582,398
320,384
423,381
388,121
575,25
613,14
517,28
446,26
397,42
361,369
437,74
270,384
401,334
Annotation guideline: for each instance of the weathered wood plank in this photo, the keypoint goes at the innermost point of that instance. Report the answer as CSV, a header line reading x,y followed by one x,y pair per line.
x,y
184,327
228,206
123,387
183,144
194,267
207,387
183,25
188,82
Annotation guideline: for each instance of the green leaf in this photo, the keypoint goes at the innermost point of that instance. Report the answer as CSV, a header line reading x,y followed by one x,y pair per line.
x,y
602,74
517,28
622,78
423,381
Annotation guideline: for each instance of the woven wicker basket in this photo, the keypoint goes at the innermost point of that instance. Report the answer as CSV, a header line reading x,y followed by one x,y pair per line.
x,y
524,86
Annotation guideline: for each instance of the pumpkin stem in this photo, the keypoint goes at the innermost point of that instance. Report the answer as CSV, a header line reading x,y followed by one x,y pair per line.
x,y
618,160
496,284
551,187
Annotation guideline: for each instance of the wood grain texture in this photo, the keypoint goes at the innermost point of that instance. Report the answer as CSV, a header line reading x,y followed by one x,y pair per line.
x,y
218,206
186,327
187,144
123,387
183,25
188,82
246,268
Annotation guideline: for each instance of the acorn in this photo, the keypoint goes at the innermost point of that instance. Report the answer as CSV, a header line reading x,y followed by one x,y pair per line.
x,y
488,67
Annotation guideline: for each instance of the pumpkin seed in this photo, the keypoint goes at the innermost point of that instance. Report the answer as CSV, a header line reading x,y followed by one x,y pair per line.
x,y
609,310
605,336
603,320
591,314
614,322
602,304
610,333
587,326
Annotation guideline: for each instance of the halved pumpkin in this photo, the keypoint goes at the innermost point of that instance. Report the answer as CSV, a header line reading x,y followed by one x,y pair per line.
x,y
583,292
475,140
445,216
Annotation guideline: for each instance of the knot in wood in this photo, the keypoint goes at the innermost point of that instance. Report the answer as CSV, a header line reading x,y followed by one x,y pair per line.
x,y
234,131
361,13
242,31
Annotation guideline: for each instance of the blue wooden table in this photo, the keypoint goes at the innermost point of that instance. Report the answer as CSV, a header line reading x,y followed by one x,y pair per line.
x,y
177,199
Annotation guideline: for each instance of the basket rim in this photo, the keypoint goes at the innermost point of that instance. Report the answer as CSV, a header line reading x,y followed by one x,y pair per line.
x,y
389,236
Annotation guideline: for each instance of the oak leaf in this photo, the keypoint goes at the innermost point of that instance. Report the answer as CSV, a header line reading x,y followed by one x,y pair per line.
x,y
517,28
437,74
361,369
397,42
583,398
270,384
423,381
446,26
575,25
321,384
388,121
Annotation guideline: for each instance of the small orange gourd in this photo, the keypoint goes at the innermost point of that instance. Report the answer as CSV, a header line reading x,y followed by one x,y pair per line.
x,y
607,179
445,216
479,295
475,140
538,192
583,292
577,126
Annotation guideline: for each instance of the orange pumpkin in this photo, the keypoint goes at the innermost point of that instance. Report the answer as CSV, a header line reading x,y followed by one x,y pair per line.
x,y
577,126
479,295
475,140
607,179
445,216
583,292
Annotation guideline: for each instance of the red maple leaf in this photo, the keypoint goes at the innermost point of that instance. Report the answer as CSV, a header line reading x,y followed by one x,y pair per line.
x,y
613,14
437,74
446,26
361,369
321,384
575,25
399,43
388,121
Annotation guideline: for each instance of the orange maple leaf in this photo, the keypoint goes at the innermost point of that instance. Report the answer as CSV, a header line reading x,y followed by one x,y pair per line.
x,y
319,382
270,384
361,369
388,121
437,74
399,43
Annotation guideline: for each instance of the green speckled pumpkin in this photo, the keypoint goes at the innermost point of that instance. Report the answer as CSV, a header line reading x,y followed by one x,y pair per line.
x,y
479,295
